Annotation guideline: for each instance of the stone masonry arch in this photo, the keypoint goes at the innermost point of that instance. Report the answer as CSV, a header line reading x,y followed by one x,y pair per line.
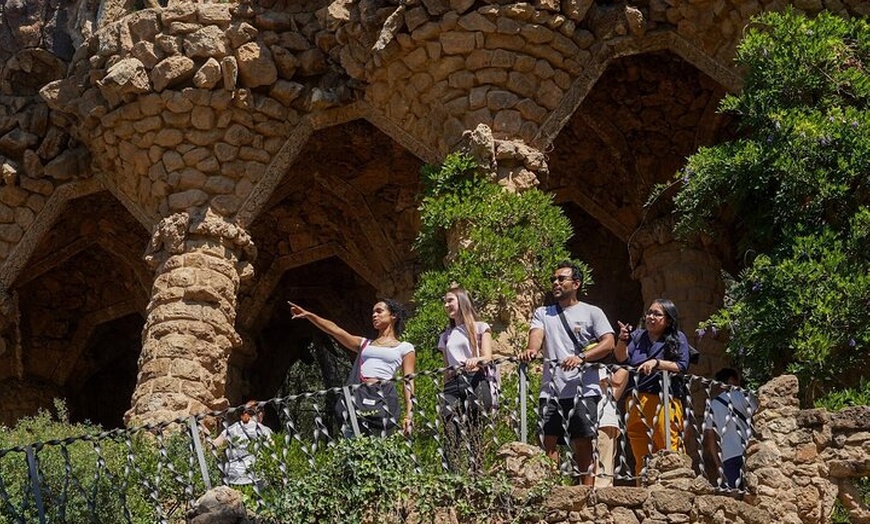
x,y
521,69
645,44
308,126
86,273
192,114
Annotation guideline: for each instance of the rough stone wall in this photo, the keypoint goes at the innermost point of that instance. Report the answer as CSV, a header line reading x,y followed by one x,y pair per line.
x,y
210,108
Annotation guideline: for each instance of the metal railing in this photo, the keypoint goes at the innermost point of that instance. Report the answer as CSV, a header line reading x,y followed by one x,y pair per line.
x,y
154,472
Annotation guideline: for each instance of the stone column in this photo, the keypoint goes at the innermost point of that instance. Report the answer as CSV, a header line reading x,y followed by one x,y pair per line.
x,y
517,167
199,259
689,275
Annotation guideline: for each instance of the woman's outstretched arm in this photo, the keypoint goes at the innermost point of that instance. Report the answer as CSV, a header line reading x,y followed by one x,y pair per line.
x,y
351,342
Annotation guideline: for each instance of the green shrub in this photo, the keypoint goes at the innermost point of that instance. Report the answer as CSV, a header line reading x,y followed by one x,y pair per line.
x,y
792,195
73,487
358,478
88,475
351,479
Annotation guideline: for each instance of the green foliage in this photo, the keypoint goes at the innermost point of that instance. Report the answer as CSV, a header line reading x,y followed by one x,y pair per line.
x,y
849,397
354,478
507,239
103,479
794,191
359,478
64,500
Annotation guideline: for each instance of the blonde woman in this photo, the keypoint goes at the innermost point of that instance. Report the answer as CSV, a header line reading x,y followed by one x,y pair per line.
x,y
466,346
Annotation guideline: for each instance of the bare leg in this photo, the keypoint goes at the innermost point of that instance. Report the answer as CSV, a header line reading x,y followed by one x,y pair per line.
x,y
583,457
551,447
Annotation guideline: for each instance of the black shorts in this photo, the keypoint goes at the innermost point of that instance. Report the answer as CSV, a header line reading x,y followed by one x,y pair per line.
x,y
581,413
376,407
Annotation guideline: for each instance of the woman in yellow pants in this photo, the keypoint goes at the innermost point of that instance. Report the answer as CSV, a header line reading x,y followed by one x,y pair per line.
x,y
660,346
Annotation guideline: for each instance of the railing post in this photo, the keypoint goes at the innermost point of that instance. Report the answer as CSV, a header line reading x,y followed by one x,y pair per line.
x,y
197,446
524,393
666,407
34,482
351,410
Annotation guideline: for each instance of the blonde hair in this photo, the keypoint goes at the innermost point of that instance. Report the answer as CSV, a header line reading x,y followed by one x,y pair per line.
x,y
468,314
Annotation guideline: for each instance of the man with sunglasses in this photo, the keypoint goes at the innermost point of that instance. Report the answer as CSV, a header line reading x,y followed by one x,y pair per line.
x,y
571,333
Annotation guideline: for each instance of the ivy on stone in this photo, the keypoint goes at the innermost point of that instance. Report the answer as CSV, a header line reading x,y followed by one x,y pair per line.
x,y
508,241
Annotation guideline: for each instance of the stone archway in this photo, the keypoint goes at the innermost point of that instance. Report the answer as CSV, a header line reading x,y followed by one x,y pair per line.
x,y
336,233
81,300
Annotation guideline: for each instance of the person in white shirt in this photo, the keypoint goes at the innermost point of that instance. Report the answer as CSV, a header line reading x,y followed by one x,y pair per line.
x,y
243,439
376,401
469,381
727,429
466,346
570,332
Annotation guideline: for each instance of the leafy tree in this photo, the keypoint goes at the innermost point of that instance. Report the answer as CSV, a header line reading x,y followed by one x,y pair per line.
x,y
508,239
793,190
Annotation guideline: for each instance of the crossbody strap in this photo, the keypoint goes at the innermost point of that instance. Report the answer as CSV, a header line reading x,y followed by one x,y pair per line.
x,y
568,329
358,363
362,347
733,409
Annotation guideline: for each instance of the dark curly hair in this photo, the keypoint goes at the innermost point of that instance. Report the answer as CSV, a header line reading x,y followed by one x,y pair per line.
x,y
397,310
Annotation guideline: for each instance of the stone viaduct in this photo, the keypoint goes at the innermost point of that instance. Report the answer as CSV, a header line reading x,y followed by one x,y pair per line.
x,y
173,172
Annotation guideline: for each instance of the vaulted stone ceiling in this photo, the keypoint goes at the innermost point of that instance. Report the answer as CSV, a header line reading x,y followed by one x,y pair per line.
x,y
303,125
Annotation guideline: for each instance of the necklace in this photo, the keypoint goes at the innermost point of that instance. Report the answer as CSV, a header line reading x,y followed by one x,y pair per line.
x,y
386,342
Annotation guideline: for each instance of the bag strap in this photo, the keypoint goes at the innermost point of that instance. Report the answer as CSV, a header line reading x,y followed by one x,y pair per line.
x,y
568,330
362,347
355,376
733,409
577,348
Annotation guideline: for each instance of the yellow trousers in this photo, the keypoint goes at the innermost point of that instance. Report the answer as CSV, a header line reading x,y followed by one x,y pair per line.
x,y
645,417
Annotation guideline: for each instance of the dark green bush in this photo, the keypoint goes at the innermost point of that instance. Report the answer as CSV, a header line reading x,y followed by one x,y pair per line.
x,y
793,193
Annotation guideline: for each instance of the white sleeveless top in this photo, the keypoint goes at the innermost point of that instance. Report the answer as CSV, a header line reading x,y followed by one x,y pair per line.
x,y
381,362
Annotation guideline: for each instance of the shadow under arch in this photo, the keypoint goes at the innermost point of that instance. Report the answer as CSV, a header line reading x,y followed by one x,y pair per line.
x,y
328,287
635,129
86,276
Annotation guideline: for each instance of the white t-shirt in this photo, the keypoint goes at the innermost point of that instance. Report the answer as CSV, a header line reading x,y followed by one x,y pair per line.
x,y
608,415
456,346
589,324
381,362
729,416
240,458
